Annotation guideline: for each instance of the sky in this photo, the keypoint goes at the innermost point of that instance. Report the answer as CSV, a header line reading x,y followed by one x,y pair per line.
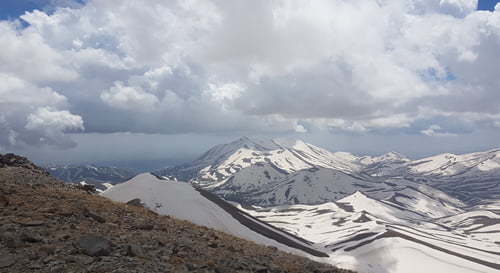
x,y
96,81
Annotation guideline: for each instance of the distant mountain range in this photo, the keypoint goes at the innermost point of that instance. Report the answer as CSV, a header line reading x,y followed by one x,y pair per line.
x,y
101,177
271,173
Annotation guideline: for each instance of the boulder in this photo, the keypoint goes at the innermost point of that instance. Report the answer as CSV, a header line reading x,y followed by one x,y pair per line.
x,y
94,245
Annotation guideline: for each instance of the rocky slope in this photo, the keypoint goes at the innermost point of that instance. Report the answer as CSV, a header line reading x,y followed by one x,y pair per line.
x,y
50,226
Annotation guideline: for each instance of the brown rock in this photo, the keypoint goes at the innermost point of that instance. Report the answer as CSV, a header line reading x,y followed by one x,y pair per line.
x,y
66,212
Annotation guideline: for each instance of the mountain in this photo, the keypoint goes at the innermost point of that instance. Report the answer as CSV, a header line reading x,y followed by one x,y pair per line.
x,y
246,169
50,226
220,162
101,177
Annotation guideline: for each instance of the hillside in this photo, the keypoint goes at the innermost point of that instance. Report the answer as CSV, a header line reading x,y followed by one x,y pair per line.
x,y
50,226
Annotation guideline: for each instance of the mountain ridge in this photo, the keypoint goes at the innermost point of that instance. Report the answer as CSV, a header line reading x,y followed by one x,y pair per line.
x,y
446,172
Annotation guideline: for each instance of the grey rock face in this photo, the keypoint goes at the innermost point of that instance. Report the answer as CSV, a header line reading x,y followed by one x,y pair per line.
x,y
94,245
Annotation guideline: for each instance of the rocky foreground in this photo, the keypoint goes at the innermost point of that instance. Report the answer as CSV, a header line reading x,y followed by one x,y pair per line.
x,y
50,226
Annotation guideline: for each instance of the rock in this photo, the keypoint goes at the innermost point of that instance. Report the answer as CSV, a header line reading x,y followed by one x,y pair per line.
x,y
81,259
143,226
35,266
66,212
260,268
192,267
136,202
213,244
134,250
29,237
46,250
6,261
31,223
11,239
87,188
94,245
3,201
92,215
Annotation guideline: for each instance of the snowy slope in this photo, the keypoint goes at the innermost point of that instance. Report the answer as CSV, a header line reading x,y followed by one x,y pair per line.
x,y
373,236
182,201
263,185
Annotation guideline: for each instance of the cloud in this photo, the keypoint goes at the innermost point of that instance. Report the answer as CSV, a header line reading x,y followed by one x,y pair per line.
x,y
25,55
434,129
28,115
46,117
300,129
129,98
266,66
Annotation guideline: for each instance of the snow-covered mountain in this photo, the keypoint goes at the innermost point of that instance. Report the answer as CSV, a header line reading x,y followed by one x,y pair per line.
x,y
273,173
100,177
224,160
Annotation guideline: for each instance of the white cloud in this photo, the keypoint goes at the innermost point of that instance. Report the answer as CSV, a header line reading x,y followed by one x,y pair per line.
x,y
45,118
25,55
28,115
300,129
209,66
129,98
434,130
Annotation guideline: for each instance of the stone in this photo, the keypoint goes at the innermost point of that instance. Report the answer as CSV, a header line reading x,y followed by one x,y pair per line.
x,y
66,212
192,267
213,244
135,202
81,259
4,202
92,215
134,250
31,223
35,266
143,226
29,237
46,250
260,268
94,245
11,239
7,261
